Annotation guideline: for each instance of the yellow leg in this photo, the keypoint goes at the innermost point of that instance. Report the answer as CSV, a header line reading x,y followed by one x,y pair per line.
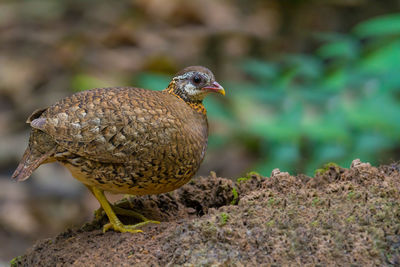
x,y
98,214
115,223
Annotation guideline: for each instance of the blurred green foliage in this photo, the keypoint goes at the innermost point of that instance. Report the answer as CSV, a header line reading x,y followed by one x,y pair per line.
x,y
337,104
340,103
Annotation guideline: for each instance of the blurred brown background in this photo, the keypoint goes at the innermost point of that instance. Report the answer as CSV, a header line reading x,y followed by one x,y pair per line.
x,y
50,49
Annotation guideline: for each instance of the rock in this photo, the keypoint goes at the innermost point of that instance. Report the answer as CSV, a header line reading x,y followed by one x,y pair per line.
x,y
279,221
357,164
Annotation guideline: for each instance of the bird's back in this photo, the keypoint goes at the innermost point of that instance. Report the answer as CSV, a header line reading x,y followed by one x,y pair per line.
x,y
119,124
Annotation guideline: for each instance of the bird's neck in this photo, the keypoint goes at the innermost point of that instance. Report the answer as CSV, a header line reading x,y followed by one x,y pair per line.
x,y
197,105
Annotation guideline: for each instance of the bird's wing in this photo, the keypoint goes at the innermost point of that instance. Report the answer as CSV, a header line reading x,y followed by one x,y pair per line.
x,y
109,124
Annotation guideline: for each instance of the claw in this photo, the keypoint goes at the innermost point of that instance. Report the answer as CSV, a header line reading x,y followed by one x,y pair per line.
x,y
131,228
111,211
121,228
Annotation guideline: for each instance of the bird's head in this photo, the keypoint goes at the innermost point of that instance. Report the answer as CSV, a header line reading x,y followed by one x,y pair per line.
x,y
192,84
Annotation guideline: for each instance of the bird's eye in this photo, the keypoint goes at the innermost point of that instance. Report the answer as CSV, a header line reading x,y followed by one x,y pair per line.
x,y
197,79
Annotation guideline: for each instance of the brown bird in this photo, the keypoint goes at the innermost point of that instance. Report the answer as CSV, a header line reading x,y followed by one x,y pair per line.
x,y
125,139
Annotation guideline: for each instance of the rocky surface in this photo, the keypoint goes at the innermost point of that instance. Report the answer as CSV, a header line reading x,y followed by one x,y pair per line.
x,y
340,216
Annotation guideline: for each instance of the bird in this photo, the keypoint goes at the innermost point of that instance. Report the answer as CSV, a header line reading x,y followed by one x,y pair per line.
x,y
125,140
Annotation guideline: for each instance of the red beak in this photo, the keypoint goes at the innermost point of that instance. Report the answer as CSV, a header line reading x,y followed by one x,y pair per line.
x,y
216,88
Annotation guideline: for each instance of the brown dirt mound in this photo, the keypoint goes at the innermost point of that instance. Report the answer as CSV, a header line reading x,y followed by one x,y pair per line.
x,y
339,217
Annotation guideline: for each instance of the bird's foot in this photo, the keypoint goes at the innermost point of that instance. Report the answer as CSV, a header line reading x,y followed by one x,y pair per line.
x,y
111,211
119,227
131,213
99,213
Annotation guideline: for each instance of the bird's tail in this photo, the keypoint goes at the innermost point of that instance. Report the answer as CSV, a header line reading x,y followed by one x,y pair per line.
x,y
31,160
